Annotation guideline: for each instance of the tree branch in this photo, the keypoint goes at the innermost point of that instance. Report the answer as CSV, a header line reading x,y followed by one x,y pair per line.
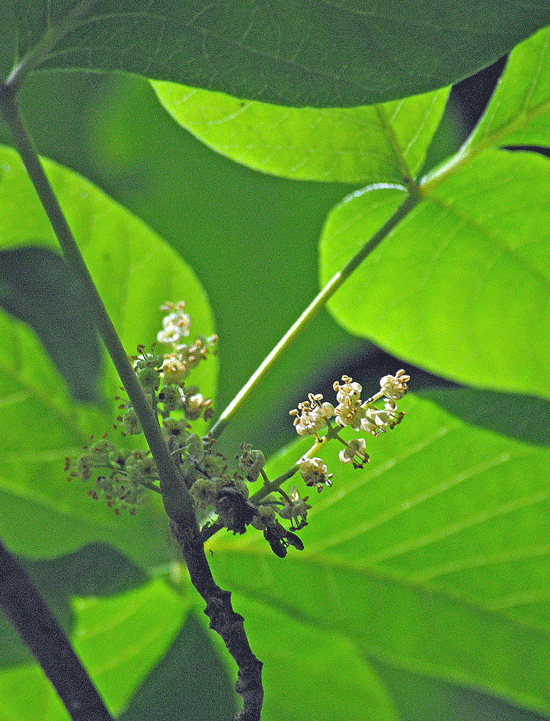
x,y
40,631
225,621
177,500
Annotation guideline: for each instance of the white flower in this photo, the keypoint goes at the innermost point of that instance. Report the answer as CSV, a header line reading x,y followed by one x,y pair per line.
x,y
175,325
355,447
174,370
377,421
350,392
314,471
311,415
395,387
296,510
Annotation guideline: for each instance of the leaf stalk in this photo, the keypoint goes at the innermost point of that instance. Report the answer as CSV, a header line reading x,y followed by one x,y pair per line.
x,y
413,198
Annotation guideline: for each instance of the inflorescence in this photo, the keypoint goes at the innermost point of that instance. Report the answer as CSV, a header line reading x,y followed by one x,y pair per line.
x,y
220,488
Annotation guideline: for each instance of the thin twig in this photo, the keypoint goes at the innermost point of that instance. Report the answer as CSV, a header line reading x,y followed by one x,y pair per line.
x,y
412,199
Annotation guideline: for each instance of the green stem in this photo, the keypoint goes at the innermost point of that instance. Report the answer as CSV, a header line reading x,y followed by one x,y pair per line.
x,y
413,198
177,499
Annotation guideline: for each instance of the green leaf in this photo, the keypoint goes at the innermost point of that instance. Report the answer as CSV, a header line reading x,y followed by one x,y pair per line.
x,y
37,287
458,286
122,638
190,683
366,144
26,693
418,697
309,673
135,272
519,111
294,52
95,570
434,558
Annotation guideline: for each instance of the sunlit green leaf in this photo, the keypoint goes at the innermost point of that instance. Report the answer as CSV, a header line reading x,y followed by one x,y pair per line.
x,y
43,515
310,672
459,286
96,570
293,52
121,638
206,693
366,144
26,693
434,557
519,112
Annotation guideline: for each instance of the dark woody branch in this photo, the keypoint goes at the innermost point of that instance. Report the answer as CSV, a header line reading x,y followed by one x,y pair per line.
x,y
39,629
224,620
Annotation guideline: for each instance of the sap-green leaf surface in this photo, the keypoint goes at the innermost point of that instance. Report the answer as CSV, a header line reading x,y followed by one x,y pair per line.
x,y
96,570
462,283
321,671
293,52
519,111
370,144
42,514
119,639
26,693
433,558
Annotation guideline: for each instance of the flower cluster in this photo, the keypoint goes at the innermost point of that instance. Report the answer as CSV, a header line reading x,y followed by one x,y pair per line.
x,y
312,415
123,476
184,356
220,487
224,493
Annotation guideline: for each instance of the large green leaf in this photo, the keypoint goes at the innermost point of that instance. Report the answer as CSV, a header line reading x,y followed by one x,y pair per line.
x,y
121,639
459,286
433,558
519,112
26,693
293,52
96,570
386,142
43,515
309,672
191,683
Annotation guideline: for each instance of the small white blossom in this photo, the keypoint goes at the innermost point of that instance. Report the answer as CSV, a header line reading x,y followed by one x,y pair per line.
x,y
395,387
377,421
174,370
176,325
355,447
296,510
349,411
311,415
350,392
314,471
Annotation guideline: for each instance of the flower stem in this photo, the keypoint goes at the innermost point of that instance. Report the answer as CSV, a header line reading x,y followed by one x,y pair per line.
x,y
177,499
413,198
